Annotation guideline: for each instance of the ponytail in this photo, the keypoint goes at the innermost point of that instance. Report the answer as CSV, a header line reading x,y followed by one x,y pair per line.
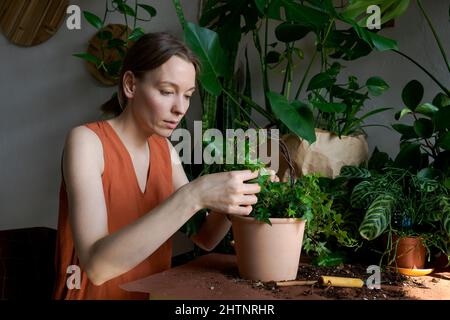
x,y
112,106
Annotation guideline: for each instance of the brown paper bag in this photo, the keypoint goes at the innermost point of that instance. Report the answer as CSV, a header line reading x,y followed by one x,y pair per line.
x,y
325,156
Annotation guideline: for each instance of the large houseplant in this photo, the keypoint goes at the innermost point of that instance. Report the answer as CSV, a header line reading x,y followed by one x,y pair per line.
x,y
340,135
226,81
220,34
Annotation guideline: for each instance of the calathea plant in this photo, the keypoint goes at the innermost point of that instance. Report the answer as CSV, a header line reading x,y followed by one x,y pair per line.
x,y
396,201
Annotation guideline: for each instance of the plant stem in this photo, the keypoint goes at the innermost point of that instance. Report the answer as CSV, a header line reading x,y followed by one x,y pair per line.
x,y
424,70
135,14
257,108
106,12
242,109
426,141
266,76
287,82
126,27
322,45
180,14
305,75
441,48
266,31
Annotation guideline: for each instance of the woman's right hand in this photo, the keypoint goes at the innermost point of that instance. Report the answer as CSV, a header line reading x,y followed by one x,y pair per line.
x,y
227,192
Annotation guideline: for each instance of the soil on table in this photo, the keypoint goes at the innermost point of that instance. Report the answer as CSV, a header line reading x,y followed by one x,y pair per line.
x,y
394,286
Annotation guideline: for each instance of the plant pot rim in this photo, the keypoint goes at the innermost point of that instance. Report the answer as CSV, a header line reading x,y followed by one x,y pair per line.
x,y
272,220
355,135
397,237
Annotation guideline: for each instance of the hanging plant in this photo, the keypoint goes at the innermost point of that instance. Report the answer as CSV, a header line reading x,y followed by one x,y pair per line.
x,y
108,47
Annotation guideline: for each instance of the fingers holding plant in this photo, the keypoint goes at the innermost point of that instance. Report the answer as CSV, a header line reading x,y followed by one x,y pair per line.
x,y
228,192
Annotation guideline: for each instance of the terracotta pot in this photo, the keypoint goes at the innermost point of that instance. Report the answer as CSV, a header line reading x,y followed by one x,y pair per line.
x,y
409,252
268,253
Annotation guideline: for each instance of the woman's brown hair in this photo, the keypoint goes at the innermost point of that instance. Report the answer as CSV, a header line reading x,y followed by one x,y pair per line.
x,y
148,53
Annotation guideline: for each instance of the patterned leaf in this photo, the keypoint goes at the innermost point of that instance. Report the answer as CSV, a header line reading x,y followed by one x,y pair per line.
x,y
352,172
362,195
377,217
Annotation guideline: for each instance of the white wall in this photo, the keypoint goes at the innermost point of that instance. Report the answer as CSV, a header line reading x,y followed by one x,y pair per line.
x,y
45,91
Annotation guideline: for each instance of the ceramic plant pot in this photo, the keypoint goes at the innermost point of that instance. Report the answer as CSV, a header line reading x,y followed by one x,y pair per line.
x,y
268,253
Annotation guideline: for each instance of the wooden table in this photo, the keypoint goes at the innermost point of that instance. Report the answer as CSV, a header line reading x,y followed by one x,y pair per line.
x,y
215,277
210,277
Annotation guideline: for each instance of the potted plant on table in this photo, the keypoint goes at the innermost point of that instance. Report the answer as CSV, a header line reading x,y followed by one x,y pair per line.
x,y
268,242
339,129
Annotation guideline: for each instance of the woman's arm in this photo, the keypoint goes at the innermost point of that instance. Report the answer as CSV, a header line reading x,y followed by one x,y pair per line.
x,y
105,256
216,225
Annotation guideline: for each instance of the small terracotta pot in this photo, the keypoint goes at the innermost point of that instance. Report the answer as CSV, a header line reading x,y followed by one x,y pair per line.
x,y
268,253
409,252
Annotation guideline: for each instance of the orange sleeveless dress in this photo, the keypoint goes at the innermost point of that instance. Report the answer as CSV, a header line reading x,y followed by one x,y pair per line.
x,y
125,203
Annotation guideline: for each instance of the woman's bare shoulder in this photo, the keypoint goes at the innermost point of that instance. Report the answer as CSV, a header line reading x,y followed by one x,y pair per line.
x,y
84,146
82,134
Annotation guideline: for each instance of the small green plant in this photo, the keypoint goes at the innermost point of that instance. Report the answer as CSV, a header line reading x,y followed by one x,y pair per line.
x,y
303,198
283,200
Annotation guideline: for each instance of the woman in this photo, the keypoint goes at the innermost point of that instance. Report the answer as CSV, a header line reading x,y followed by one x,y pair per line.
x,y
124,192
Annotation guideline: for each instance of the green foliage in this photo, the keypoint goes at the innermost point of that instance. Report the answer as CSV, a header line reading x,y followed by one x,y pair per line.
x,y
111,69
338,105
205,44
281,200
296,116
377,216
327,228
395,200
426,142
229,21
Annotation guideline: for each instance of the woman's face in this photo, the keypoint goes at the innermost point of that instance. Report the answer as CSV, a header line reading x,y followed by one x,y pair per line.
x,y
161,98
